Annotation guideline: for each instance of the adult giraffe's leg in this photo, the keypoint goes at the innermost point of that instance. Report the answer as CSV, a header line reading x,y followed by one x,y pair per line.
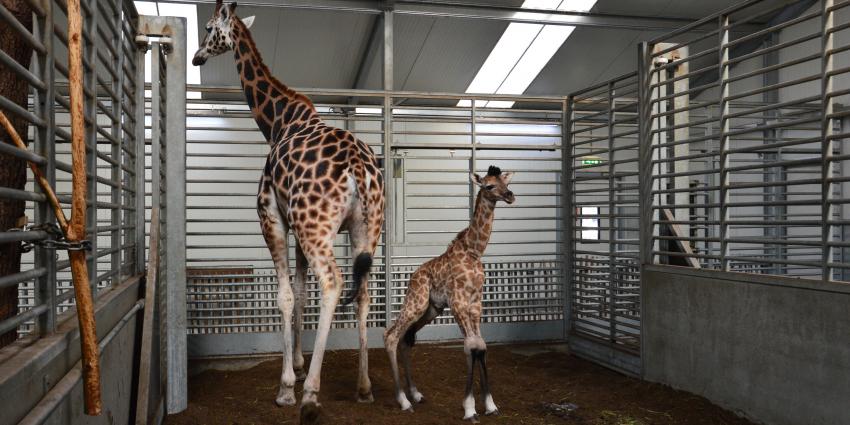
x,y
406,345
300,289
362,243
275,233
415,304
320,255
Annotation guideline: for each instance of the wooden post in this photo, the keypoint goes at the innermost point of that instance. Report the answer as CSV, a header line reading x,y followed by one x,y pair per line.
x,y
77,225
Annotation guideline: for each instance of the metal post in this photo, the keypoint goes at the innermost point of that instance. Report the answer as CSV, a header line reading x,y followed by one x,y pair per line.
x,y
90,77
175,211
645,154
117,151
827,134
723,66
45,145
389,178
139,164
612,249
472,159
567,210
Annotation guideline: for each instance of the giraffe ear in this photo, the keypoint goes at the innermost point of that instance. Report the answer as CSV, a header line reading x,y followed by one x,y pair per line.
x,y
507,176
475,179
248,21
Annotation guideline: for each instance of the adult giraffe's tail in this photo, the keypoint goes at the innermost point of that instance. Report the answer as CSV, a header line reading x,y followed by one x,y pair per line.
x,y
363,261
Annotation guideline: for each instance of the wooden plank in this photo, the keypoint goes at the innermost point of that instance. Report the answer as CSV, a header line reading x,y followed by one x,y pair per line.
x,y
678,244
142,400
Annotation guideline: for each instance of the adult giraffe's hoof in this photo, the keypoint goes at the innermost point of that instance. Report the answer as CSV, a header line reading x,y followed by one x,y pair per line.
x,y
494,412
300,375
472,418
309,413
365,397
417,396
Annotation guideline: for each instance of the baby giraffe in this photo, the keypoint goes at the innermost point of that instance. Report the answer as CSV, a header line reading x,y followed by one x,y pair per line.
x,y
454,279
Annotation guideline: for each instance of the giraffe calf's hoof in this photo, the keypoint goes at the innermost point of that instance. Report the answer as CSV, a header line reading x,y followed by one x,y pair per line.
x,y
309,413
286,397
417,397
492,413
472,418
300,375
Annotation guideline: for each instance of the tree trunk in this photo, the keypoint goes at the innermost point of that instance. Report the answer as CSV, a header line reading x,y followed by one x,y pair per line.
x,y
12,170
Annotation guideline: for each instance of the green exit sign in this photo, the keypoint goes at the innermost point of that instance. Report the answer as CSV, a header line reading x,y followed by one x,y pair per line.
x,y
591,161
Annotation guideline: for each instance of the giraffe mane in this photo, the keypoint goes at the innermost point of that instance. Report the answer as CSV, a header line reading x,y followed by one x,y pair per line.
x,y
494,171
290,93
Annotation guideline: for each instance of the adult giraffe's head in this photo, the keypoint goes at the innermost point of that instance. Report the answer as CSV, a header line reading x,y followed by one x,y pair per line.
x,y
219,32
494,186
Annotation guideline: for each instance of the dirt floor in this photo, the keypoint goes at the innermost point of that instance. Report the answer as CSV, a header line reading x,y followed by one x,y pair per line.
x,y
527,381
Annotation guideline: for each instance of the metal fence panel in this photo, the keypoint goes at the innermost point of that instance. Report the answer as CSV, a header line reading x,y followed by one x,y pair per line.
x,y
110,70
602,159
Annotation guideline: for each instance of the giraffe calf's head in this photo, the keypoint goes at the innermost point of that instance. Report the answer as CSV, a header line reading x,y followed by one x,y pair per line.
x,y
494,186
219,38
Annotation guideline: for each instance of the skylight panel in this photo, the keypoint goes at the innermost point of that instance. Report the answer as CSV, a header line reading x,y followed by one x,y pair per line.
x,y
522,52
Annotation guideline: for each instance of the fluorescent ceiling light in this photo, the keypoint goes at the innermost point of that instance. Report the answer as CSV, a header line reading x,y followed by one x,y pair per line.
x,y
521,53
188,11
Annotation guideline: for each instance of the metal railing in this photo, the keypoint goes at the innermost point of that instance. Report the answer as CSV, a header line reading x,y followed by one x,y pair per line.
x,y
111,70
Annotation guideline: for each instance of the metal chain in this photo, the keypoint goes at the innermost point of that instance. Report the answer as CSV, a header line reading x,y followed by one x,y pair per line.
x,y
55,239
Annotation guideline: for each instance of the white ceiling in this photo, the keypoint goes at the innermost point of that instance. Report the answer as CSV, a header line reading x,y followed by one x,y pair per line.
x,y
323,49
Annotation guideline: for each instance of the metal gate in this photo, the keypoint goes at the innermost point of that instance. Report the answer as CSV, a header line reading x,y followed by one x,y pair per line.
x,y
603,265
232,288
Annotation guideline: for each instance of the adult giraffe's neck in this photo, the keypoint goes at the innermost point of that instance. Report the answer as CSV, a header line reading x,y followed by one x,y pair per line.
x,y
481,225
277,109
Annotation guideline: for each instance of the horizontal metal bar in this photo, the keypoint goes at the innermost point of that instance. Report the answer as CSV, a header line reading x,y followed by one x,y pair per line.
x,y
16,278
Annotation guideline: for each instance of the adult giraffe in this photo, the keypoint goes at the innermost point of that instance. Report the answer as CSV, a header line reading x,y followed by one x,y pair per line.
x,y
317,180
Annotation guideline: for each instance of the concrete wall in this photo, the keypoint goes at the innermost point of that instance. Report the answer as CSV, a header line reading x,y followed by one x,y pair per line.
x,y
775,349
29,371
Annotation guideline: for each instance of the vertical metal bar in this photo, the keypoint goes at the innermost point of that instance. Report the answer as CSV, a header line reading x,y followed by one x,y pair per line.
x,y
723,22
90,81
45,286
567,219
844,170
389,178
116,154
472,159
139,164
156,123
175,211
645,233
827,133
612,249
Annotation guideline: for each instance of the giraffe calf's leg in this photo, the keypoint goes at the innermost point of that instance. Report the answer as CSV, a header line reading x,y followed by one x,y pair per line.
x,y
406,345
415,303
489,406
